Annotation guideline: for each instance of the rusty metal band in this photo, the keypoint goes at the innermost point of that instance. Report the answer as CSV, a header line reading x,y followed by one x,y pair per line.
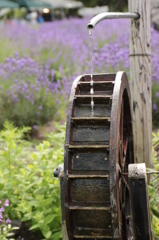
x,y
140,55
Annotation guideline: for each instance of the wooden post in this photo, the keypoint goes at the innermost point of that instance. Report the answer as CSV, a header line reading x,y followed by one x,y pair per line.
x,y
139,201
140,78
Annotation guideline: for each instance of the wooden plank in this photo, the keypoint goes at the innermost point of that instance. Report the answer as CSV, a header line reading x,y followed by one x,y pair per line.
x,y
100,110
90,118
90,192
89,135
88,146
140,77
92,237
96,83
87,176
92,219
94,96
89,208
88,161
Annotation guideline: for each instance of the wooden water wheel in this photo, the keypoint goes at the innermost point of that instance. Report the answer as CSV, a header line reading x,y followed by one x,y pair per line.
x,y
98,149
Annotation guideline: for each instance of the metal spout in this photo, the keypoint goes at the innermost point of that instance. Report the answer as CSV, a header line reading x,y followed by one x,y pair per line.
x,y
110,15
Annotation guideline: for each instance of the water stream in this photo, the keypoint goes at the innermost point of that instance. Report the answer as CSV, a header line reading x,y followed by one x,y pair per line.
x,y
91,70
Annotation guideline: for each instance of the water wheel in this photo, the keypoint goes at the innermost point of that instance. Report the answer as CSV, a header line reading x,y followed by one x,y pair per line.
x,y
98,149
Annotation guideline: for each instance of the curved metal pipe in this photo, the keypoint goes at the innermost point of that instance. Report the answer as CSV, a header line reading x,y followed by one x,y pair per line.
x,y
110,15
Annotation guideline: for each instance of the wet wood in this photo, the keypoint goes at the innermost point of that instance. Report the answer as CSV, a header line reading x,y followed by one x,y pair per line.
x,y
85,135
88,146
140,77
92,237
89,178
94,96
100,110
92,219
105,88
89,208
90,118
88,161
99,77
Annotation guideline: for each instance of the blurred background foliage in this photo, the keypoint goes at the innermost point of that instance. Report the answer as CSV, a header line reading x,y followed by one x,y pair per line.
x,y
114,5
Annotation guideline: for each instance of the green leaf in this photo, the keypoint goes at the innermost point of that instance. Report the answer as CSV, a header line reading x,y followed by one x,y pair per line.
x,y
34,203
10,234
57,235
152,191
48,234
153,134
27,216
152,202
155,212
150,169
47,201
30,185
35,226
45,230
14,228
50,218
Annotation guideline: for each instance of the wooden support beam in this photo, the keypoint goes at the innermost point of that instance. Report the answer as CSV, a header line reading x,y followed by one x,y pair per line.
x,y
139,201
140,78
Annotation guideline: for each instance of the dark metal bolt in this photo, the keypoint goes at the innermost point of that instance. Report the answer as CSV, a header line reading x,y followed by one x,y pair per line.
x,y
56,172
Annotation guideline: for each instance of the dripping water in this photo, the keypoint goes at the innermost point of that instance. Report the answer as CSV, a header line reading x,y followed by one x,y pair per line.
x,y
91,70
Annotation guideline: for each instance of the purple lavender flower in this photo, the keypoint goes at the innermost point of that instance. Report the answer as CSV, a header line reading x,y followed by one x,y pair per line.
x,y
1,217
31,82
40,107
57,101
6,204
155,108
1,209
157,94
35,127
52,74
8,220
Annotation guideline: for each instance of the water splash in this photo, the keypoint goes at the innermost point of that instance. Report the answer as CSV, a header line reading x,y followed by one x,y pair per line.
x,y
91,70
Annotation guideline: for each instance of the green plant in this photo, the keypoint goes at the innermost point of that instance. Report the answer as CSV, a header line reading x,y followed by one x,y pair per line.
x,y
26,179
153,190
5,226
30,102
155,105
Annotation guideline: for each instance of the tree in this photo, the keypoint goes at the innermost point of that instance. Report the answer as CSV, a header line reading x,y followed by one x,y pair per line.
x,y
114,5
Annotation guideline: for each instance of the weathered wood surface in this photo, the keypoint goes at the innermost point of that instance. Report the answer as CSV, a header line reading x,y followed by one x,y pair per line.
x,y
155,13
139,202
140,77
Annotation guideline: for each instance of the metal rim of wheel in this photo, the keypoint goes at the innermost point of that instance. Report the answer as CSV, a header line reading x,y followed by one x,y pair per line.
x,y
98,149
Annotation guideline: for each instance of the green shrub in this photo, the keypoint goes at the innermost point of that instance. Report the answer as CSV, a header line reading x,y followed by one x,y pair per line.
x,y
153,189
29,93
26,179
155,105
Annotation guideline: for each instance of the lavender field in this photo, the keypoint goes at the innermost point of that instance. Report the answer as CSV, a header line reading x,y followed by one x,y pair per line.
x,y
39,63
